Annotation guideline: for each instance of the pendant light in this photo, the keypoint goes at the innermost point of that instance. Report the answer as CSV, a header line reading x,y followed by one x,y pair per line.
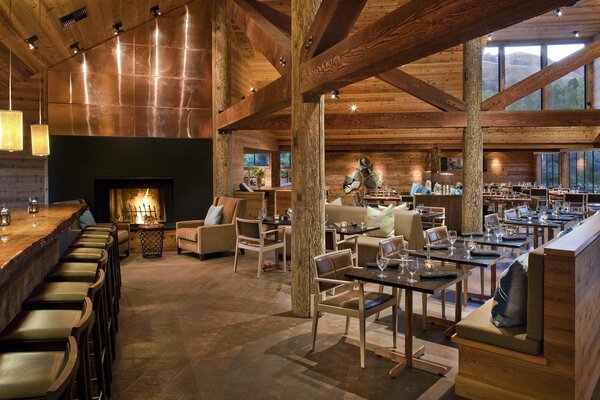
x,y
40,133
11,122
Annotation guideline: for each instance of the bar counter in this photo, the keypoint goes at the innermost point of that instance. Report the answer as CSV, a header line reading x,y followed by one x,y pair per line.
x,y
31,251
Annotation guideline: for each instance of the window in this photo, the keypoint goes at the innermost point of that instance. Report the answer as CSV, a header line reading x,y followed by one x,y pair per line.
x,y
568,92
550,169
256,159
285,159
490,73
504,66
584,170
521,62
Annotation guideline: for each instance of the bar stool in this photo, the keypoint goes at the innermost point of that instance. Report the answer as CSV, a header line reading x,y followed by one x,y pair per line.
x,y
113,231
93,255
57,324
56,292
43,370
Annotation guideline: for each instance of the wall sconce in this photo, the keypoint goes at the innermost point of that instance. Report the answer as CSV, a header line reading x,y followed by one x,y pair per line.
x,y
31,42
155,10
75,47
5,217
118,27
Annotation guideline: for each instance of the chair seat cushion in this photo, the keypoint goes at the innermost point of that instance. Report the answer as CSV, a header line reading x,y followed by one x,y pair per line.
x,y
29,374
60,291
41,325
350,300
190,234
73,271
123,235
95,235
99,228
478,327
89,243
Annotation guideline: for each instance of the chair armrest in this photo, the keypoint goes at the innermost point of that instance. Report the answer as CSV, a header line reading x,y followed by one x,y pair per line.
x,y
335,281
349,239
194,223
278,231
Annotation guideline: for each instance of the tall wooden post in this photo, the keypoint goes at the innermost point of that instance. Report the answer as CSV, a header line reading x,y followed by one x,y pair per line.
x,y
472,140
221,95
308,173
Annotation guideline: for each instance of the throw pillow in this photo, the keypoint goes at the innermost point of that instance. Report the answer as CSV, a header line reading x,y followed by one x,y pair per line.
x,y
510,300
336,202
86,219
384,219
418,188
214,215
402,206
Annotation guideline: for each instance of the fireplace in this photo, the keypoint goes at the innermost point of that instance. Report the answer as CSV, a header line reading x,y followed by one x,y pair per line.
x,y
134,200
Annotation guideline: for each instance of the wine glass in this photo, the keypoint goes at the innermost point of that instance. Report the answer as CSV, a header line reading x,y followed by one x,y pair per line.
x,y
403,253
452,236
488,229
413,267
529,217
382,263
471,246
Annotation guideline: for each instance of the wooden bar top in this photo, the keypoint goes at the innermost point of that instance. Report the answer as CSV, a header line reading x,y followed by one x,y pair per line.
x,y
26,239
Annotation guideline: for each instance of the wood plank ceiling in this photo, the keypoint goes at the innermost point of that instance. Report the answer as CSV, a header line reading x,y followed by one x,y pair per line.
x,y
442,70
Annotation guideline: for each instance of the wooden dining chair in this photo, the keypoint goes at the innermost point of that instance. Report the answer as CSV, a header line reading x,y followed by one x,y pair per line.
x,y
491,219
351,299
523,210
510,214
251,236
435,221
577,201
388,247
332,243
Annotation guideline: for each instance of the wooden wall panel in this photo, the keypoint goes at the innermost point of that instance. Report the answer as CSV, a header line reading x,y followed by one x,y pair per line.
x,y
400,169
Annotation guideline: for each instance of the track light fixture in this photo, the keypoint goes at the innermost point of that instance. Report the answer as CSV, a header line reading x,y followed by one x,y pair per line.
x,y
575,34
118,27
335,95
252,89
558,12
155,10
490,37
31,42
76,48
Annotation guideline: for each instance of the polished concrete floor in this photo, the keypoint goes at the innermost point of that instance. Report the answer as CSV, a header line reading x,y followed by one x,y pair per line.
x,y
193,329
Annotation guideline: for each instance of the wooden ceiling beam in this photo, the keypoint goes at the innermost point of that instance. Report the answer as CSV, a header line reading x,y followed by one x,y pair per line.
x,y
277,18
543,77
422,90
332,24
449,119
262,34
411,32
274,97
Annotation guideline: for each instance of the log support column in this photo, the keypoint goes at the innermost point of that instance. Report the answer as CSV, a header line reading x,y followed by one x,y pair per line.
x,y
472,140
221,95
308,174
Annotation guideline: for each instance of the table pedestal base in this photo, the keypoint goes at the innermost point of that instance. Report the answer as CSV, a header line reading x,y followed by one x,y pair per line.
x,y
413,362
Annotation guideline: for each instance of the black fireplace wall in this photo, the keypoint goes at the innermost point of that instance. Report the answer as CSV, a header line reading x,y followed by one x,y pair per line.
x,y
77,161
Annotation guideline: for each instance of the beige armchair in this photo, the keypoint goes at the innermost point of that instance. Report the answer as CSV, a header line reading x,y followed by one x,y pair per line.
x,y
197,238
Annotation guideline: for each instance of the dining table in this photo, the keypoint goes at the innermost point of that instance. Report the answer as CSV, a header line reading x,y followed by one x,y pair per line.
x,y
352,229
460,257
411,358
540,227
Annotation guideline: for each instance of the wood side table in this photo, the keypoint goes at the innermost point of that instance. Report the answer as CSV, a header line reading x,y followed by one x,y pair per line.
x,y
151,239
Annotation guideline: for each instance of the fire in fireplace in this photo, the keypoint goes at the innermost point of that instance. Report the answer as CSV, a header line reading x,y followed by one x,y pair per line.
x,y
137,205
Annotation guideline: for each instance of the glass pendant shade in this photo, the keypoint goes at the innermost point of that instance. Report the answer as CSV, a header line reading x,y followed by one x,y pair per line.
x,y
40,140
11,130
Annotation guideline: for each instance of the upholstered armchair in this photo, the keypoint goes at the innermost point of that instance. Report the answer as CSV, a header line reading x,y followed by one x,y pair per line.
x,y
195,237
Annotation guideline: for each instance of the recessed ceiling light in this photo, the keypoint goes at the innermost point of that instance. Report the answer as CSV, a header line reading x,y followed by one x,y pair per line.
x,y
353,108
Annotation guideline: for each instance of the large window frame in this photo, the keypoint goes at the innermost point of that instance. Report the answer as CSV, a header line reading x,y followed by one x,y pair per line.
x,y
584,170
501,45
550,169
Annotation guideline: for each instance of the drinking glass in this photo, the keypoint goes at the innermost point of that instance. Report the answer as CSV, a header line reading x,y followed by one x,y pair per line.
x,y
488,229
263,213
326,218
413,267
403,253
452,236
382,263
529,217
567,206
4,238
343,225
471,246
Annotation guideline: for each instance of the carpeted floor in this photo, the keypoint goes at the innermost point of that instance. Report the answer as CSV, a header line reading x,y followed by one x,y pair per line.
x,y
193,329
